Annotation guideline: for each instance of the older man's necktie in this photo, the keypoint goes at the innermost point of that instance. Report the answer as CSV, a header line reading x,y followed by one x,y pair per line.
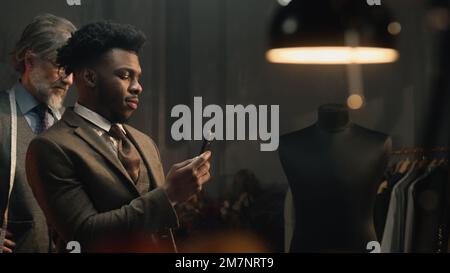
x,y
43,113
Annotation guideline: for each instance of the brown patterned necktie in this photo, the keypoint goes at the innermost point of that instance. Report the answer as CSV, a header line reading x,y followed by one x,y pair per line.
x,y
127,153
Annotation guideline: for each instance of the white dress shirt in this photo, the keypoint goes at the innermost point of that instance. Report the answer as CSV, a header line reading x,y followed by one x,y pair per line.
x,y
100,125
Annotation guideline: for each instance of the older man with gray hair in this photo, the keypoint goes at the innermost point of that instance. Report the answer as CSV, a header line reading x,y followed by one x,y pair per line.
x,y
31,106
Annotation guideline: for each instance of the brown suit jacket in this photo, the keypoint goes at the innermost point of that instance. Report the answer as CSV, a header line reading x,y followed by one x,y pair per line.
x,y
87,195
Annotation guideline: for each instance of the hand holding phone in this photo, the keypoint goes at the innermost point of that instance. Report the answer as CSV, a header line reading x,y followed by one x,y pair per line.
x,y
207,141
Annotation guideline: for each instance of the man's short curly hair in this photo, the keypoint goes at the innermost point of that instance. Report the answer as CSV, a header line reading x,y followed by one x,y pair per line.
x,y
89,43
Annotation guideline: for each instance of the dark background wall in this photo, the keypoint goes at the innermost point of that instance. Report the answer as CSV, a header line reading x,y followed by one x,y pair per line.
x,y
215,49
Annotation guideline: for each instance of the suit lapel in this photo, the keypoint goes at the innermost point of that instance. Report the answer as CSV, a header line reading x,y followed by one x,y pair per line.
x,y
150,159
89,136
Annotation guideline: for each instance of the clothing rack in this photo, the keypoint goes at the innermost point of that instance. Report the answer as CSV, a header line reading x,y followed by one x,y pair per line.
x,y
420,151
403,221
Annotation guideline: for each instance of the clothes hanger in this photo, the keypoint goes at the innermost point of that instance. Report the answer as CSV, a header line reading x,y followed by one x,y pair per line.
x,y
433,163
442,162
384,185
398,165
404,166
414,164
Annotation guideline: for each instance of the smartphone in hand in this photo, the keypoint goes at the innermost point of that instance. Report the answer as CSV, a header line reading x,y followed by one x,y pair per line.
x,y
207,141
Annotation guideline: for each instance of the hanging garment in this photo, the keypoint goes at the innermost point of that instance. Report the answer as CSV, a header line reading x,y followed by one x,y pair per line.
x,y
431,207
409,220
392,241
382,203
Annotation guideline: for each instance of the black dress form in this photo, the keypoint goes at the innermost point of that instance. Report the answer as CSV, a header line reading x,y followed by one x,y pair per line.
x,y
334,168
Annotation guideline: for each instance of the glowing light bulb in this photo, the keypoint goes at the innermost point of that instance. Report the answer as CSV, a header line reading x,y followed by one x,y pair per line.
x,y
355,101
332,55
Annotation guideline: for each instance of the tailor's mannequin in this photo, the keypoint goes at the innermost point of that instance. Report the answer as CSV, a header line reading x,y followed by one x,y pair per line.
x,y
333,168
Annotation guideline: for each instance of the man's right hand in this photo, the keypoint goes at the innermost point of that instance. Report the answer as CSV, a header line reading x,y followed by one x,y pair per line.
x,y
185,179
8,245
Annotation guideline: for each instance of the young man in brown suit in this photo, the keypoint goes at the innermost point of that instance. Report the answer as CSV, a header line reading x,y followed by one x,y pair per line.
x,y
99,181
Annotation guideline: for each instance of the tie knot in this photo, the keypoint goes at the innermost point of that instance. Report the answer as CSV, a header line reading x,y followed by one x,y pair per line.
x,y
41,109
116,132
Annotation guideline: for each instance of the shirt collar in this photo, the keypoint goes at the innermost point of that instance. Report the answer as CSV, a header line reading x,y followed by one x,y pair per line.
x,y
94,118
24,99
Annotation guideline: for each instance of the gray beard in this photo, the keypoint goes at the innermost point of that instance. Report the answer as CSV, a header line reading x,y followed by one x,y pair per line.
x,y
44,90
